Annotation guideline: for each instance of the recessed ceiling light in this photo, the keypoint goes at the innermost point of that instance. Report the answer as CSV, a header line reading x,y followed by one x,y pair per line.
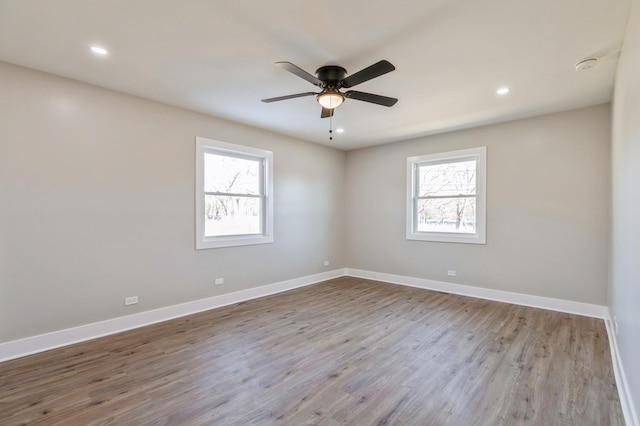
x,y
99,50
340,130
503,91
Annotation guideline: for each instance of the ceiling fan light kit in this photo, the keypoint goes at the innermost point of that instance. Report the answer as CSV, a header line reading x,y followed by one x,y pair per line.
x,y
332,78
330,99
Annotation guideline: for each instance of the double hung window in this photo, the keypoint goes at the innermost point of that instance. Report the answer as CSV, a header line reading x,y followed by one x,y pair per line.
x,y
446,196
234,195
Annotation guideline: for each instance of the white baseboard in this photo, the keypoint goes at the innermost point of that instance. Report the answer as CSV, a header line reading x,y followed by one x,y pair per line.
x,y
43,342
30,345
579,308
628,409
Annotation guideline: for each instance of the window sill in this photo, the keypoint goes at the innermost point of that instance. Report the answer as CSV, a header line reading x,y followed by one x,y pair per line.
x,y
232,241
445,237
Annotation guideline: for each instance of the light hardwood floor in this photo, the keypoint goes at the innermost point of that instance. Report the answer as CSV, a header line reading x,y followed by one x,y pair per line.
x,y
346,351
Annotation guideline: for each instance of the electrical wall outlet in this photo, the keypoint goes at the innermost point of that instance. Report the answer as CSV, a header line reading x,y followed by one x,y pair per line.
x,y
326,263
451,273
219,281
133,300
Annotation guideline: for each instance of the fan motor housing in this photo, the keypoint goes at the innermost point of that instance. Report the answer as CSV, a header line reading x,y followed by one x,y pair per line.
x,y
331,73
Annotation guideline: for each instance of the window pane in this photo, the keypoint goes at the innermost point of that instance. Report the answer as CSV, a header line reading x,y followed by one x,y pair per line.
x,y
226,215
231,174
447,215
447,179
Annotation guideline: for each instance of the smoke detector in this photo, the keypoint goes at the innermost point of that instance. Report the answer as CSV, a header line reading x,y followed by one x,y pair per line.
x,y
586,64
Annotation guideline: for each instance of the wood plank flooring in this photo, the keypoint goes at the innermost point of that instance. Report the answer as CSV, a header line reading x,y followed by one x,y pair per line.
x,y
344,352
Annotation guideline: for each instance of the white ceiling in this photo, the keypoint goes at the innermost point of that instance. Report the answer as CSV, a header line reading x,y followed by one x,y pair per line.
x,y
217,57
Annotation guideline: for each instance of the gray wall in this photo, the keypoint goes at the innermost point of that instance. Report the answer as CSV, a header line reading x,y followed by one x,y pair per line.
x,y
97,203
547,208
624,286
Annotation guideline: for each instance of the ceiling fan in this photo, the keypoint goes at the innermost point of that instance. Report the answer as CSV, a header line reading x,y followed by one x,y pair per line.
x,y
331,78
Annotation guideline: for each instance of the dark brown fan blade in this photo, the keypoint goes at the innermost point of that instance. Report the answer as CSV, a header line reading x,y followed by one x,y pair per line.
x,y
370,97
326,112
373,71
300,73
282,98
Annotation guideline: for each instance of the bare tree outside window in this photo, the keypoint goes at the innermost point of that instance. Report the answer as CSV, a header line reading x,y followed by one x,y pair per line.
x,y
233,195
446,197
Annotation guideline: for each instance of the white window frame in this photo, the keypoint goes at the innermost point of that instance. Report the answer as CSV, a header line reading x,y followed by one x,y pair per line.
x,y
477,154
203,146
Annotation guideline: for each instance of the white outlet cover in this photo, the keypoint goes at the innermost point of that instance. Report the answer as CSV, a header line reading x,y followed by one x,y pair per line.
x,y
130,300
219,281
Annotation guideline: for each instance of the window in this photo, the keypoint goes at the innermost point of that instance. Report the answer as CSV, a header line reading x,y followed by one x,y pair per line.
x,y
234,195
446,196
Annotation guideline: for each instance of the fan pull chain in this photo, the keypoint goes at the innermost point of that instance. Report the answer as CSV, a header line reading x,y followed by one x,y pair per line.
x,y
331,126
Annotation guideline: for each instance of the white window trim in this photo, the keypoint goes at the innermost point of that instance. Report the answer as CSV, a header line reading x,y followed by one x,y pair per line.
x,y
479,237
204,145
